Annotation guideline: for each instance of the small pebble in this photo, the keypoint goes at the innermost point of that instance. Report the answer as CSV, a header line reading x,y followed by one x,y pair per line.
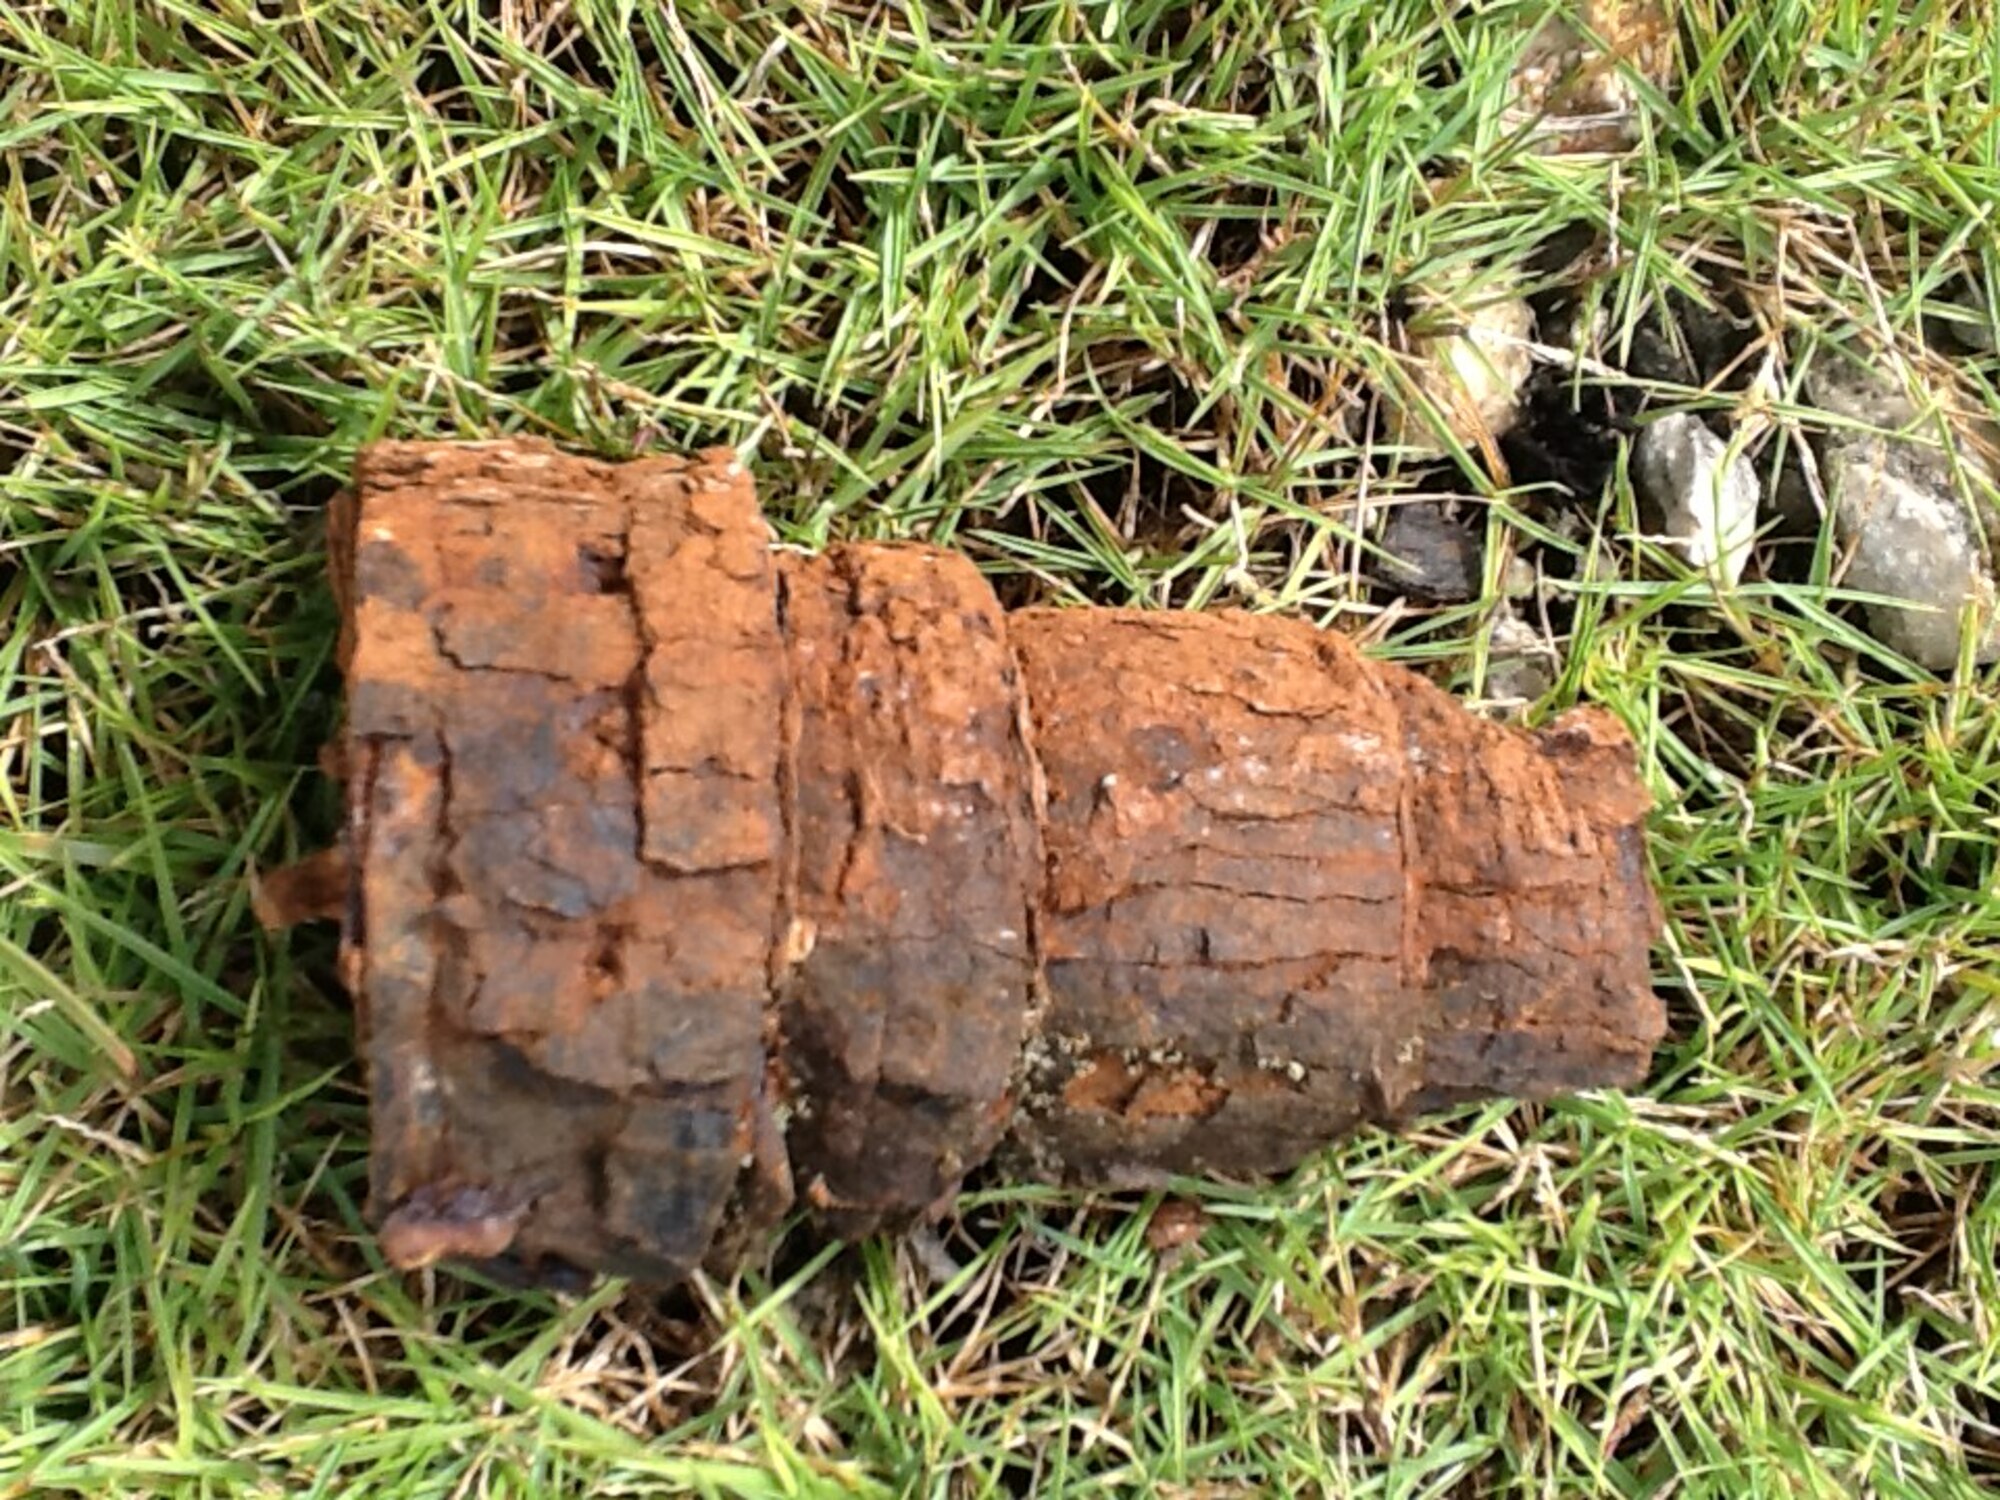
x,y
1520,663
1970,324
1707,496
1431,556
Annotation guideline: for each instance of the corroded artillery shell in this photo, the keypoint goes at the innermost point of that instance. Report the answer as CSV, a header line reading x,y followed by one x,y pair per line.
x,y
687,880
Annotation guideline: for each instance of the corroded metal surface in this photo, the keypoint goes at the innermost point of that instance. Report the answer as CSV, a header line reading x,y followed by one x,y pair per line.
x,y
686,882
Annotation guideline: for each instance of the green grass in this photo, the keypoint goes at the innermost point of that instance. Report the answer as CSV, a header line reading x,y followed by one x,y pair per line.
x,y
1099,293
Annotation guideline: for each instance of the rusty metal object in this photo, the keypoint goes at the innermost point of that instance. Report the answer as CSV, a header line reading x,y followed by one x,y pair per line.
x,y
688,880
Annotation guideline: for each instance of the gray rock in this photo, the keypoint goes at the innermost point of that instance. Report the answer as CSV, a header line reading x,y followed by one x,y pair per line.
x,y
1970,322
1682,341
1912,537
1432,556
1858,393
1707,496
1520,664
1903,523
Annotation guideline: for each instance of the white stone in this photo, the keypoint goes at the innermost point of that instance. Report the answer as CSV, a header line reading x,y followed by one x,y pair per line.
x,y
1707,495
1471,373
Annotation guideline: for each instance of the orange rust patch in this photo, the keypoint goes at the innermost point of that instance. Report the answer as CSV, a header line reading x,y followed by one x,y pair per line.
x,y
312,890
1108,1084
1175,1093
1103,1085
